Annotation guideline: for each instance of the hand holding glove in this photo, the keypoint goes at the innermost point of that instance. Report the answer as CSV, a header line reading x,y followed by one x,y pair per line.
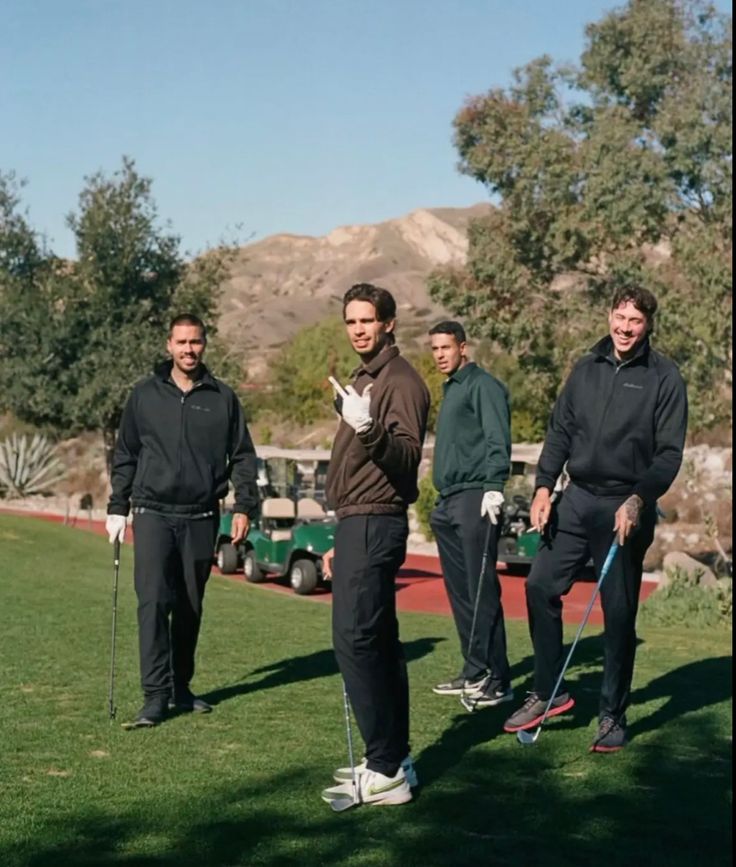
x,y
115,528
491,505
355,409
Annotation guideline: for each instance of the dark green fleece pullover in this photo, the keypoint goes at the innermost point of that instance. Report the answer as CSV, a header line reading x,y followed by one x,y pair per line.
x,y
473,443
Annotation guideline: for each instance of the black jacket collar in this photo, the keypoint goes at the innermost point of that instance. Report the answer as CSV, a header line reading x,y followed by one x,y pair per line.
x,y
604,349
163,372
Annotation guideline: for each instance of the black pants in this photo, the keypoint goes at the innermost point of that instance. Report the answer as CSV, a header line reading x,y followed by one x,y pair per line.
x,y
369,550
173,559
462,534
582,527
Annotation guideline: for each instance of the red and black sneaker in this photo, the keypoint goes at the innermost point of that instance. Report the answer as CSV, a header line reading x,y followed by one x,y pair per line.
x,y
530,714
611,735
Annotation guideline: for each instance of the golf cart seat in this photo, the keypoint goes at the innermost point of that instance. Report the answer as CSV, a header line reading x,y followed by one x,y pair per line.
x,y
308,509
278,514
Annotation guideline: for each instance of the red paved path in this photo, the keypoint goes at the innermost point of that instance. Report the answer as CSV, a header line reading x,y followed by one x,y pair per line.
x,y
420,584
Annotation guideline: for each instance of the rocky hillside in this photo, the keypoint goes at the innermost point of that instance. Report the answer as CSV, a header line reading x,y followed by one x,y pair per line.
x,y
285,282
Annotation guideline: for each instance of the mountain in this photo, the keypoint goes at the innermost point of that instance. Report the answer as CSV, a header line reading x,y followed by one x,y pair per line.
x,y
285,282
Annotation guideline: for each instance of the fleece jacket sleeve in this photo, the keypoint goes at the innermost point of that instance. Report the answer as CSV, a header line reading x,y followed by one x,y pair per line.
x,y
491,408
243,467
556,449
670,427
124,460
395,443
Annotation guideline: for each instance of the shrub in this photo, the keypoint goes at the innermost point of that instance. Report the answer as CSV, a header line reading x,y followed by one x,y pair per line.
x,y
424,505
28,465
684,602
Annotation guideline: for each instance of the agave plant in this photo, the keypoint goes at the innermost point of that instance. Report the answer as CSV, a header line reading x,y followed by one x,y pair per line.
x,y
28,466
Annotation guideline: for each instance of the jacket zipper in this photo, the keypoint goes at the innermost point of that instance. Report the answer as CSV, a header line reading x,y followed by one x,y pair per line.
x,y
618,367
182,417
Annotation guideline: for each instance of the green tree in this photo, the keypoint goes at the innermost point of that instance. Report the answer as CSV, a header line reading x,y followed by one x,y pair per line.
x,y
425,366
300,389
75,336
616,170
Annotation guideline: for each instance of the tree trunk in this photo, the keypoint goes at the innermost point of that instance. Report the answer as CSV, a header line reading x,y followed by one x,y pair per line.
x,y
109,435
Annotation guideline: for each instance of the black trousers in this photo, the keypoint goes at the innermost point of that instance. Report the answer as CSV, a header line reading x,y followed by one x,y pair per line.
x,y
581,527
173,559
462,534
369,550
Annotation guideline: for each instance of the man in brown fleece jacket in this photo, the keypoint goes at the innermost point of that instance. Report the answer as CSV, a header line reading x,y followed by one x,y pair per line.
x,y
371,482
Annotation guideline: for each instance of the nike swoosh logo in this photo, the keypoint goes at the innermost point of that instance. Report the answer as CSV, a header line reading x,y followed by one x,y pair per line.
x,y
380,790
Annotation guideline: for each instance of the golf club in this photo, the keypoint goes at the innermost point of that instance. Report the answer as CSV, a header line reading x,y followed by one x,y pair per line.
x,y
340,804
469,703
112,710
527,737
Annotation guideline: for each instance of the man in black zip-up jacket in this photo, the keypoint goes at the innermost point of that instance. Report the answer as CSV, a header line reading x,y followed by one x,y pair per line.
x,y
182,437
619,424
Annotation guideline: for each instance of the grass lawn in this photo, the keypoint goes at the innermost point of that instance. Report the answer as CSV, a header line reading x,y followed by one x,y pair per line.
x,y
241,785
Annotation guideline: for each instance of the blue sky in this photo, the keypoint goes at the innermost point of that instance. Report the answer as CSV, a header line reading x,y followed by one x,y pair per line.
x,y
259,116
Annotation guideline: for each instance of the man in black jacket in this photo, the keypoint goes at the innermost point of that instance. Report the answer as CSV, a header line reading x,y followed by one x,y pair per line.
x,y
619,424
181,437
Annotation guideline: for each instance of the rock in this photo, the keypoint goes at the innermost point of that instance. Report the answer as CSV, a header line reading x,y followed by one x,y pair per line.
x,y
668,505
694,569
654,555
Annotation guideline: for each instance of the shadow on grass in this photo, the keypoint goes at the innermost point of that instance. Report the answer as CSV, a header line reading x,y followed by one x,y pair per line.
x,y
298,669
686,689
651,805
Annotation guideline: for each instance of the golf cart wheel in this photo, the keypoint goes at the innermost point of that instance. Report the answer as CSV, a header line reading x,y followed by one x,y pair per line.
x,y
303,576
227,558
251,569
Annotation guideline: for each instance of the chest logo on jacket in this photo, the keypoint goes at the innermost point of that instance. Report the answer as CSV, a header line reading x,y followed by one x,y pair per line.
x,y
633,385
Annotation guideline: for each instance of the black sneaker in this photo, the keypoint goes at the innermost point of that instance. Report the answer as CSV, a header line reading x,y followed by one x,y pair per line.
x,y
152,713
611,735
530,714
495,692
461,686
185,700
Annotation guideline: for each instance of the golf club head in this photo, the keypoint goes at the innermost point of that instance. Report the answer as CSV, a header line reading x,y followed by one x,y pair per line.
x,y
468,703
339,805
528,738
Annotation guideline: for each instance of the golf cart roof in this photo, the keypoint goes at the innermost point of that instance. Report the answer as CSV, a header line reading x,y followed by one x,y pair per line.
x,y
527,452
270,452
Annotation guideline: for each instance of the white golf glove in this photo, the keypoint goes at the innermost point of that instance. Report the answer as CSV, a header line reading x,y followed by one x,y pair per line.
x,y
491,505
115,527
355,409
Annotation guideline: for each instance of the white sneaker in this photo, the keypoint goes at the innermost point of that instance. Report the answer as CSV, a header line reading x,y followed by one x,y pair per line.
x,y
373,788
344,775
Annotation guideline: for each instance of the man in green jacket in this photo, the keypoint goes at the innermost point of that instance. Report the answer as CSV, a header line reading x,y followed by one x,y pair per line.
x,y
472,457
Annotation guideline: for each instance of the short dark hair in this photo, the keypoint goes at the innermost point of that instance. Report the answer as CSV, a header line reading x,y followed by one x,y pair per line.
x,y
382,300
641,298
450,327
188,319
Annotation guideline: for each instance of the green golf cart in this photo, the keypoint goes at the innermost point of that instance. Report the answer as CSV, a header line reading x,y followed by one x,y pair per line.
x,y
287,541
292,531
